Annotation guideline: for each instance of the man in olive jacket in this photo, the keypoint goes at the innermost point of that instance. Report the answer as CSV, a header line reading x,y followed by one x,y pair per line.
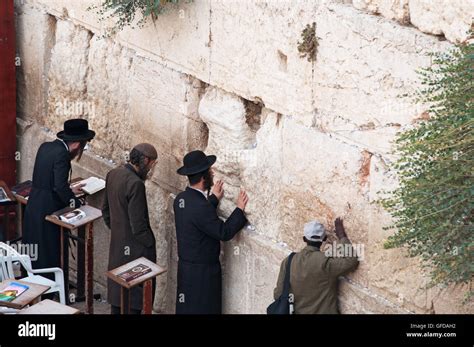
x,y
313,274
199,232
125,212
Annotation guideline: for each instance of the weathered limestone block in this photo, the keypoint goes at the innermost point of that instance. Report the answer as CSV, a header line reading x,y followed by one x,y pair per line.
x,y
250,270
262,177
453,18
179,39
263,63
354,298
36,35
108,96
181,28
224,114
162,223
67,75
452,299
69,60
75,10
391,9
161,113
229,136
29,136
364,64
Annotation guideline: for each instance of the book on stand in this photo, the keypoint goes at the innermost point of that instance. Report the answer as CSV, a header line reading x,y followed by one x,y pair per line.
x,y
12,291
92,185
23,189
134,272
4,196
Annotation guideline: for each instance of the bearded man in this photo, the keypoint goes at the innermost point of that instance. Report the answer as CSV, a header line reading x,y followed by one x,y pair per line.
x,y
199,232
125,212
51,191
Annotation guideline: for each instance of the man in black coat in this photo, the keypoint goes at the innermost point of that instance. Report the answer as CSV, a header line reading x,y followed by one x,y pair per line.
x,y
199,231
125,212
51,190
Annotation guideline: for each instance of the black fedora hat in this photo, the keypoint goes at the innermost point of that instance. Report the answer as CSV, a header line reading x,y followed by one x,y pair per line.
x,y
76,130
196,162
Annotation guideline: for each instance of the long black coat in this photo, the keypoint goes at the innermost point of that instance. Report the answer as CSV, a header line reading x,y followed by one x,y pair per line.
x,y
50,192
199,232
125,212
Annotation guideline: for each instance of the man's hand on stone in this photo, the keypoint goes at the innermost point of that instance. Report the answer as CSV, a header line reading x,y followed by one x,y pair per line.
x,y
218,189
340,231
242,200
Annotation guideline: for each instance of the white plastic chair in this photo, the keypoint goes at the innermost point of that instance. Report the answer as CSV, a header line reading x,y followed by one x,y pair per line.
x,y
9,256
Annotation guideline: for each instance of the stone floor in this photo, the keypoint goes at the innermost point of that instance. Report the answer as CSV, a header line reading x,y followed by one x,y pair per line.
x,y
100,307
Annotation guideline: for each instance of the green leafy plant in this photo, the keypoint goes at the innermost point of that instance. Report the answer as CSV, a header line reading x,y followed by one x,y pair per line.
x,y
433,205
308,46
125,12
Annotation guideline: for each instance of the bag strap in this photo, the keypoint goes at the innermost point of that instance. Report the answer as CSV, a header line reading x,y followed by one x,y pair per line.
x,y
286,283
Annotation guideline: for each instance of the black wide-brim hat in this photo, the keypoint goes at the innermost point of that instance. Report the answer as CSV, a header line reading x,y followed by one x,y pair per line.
x,y
76,130
196,162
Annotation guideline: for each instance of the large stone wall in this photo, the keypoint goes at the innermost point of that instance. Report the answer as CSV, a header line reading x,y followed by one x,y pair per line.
x,y
308,140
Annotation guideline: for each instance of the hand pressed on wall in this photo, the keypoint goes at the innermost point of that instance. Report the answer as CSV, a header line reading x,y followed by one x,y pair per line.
x,y
242,200
340,231
218,189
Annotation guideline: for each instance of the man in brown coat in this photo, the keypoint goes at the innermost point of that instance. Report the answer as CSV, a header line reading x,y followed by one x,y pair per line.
x,y
313,274
125,212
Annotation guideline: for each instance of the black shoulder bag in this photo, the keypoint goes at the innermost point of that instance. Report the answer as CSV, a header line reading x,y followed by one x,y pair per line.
x,y
282,304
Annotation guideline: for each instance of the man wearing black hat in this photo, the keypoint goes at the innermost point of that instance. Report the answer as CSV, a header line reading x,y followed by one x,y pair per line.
x,y
125,212
51,190
199,231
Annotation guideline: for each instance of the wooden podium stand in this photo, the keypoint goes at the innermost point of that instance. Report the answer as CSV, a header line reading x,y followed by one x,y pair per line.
x,y
49,307
23,201
31,295
92,214
6,208
146,279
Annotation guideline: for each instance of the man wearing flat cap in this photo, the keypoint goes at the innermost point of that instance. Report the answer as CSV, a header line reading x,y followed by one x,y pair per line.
x,y
314,274
125,213
199,231
51,190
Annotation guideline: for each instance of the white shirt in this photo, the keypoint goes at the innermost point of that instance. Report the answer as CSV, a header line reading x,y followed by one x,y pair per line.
x,y
200,191
65,144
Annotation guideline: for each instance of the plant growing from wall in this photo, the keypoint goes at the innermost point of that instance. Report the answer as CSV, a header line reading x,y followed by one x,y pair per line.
x,y
433,206
308,46
125,12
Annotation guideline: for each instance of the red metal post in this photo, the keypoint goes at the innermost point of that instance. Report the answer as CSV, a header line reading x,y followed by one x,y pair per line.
x,y
7,93
90,269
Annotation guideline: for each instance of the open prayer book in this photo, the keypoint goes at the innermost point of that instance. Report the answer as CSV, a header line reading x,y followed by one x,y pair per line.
x,y
92,185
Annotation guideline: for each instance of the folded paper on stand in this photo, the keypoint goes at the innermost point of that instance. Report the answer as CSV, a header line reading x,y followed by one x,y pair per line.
x,y
72,217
